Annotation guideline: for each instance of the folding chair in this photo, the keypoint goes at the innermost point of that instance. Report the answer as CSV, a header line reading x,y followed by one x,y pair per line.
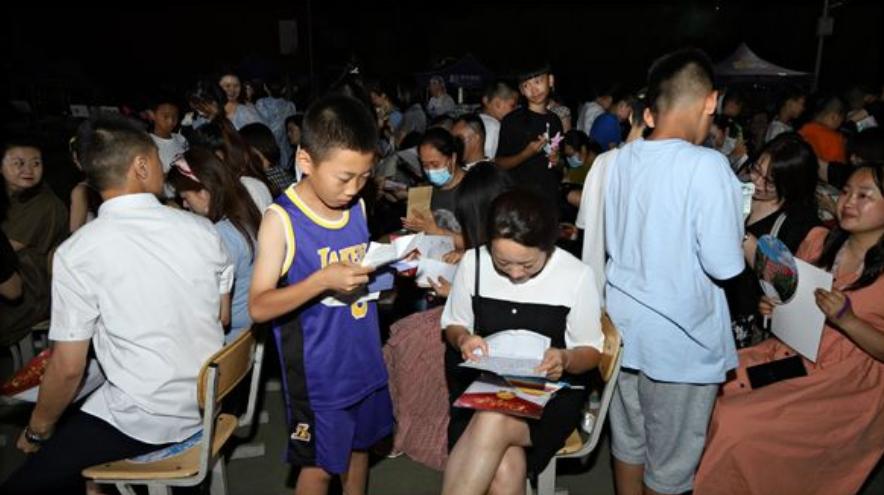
x,y
219,375
575,447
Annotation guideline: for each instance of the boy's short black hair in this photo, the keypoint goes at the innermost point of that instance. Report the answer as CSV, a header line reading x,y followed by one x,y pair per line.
x,y
531,70
338,122
686,73
163,98
107,145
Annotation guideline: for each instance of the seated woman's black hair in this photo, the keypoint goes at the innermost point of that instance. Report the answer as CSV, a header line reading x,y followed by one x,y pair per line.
x,y
523,217
478,189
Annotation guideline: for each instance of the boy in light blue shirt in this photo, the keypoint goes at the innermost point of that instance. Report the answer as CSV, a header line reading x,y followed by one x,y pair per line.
x,y
673,232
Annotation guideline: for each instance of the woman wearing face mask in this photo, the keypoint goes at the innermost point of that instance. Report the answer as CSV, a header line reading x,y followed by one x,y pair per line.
x,y
783,206
519,280
438,153
580,152
824,432
210,189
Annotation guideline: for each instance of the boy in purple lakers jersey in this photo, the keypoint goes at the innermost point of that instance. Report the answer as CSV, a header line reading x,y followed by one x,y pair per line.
x,y
313,238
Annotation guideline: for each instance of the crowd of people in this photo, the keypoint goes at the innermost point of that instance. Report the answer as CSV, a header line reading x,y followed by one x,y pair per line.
x,y
234,212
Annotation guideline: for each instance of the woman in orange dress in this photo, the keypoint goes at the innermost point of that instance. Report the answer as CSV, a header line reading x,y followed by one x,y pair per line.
x,y
824,432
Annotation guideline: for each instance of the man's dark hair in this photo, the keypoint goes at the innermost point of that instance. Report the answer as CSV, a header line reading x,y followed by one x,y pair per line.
x,y
107,144
474,122
827,104
260,138
163,98
678,76
790,93
338,122
500,89
525,218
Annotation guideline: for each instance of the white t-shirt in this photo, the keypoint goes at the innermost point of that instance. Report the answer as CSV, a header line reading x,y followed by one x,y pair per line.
x,y
564,281
143,281
775,129
440,105
591,217
492,134
169,148
258,191
588,115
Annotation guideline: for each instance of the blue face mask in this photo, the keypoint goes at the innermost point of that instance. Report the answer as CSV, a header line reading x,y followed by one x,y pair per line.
x,y
438,176
574,161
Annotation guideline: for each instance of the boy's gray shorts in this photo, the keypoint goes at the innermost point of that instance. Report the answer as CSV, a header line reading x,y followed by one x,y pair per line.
x,y
661,426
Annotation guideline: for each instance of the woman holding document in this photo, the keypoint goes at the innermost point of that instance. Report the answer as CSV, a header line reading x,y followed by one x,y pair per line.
x,y
519,280
823,432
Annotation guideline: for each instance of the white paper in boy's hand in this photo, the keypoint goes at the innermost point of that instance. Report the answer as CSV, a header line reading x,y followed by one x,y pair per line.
x,y
380,254
513,353
431,269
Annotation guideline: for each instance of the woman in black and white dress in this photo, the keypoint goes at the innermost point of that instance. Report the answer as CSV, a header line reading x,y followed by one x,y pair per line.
x,y
519,280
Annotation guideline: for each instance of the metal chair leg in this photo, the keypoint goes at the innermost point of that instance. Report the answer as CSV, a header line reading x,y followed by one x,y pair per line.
x,y
219,478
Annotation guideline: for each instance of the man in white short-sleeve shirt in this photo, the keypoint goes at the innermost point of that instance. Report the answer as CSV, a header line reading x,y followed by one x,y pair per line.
x,y
146,285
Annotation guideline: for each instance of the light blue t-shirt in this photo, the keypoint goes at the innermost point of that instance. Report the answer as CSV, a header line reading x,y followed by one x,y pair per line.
x,y
246,114
673,223
243,260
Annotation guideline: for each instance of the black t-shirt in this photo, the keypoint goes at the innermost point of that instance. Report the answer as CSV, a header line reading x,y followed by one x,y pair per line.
x,y
443,203
519,128
8,259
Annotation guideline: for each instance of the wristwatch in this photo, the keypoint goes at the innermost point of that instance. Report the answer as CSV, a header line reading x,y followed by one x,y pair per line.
x,y
35,438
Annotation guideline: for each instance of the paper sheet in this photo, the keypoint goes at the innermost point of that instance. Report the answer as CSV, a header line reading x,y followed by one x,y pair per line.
x,y
430,269
434,246
513,353
419,199
380,254
799,323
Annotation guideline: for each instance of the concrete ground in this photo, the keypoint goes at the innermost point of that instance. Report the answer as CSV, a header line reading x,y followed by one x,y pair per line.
x,y
269,475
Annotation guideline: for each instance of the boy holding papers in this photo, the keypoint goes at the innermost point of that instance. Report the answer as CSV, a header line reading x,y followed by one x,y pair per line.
x,y
314,236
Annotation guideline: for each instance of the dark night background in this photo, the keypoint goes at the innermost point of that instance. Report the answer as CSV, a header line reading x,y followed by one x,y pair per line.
x,y
113,55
